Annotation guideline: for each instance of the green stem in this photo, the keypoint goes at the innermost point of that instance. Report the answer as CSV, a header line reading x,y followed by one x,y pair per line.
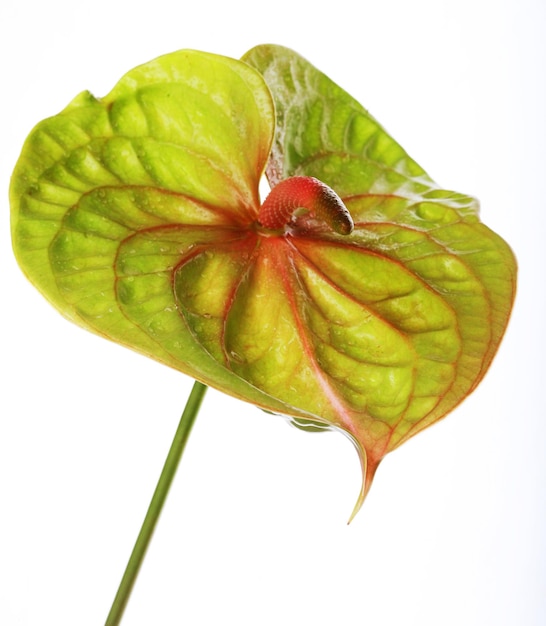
x,y
156,505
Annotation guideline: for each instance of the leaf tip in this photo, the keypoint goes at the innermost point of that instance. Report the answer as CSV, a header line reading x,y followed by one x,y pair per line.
x,y
369,466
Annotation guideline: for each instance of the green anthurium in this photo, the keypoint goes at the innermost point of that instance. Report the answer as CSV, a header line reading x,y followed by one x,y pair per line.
x,y
360,295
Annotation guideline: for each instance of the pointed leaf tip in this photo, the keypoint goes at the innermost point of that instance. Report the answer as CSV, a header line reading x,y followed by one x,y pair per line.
x,y
368,466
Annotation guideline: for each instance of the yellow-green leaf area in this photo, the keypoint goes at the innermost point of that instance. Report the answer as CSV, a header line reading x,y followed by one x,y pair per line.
x,y
138,216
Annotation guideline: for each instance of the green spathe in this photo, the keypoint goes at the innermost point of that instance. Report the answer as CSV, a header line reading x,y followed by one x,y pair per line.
x,y
136,215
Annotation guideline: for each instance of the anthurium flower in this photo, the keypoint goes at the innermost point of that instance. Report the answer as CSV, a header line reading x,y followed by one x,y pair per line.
x,y
359,295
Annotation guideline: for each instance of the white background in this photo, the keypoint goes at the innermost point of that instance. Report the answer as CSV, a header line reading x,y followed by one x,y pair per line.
x,y
254,532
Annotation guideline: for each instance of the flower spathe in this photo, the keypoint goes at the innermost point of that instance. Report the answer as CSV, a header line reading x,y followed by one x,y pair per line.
x,y
138,216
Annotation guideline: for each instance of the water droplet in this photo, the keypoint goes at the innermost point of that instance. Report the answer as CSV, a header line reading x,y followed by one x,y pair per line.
x,y
236,357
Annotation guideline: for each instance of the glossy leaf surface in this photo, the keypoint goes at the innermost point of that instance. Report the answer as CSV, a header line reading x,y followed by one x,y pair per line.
x,y
137,215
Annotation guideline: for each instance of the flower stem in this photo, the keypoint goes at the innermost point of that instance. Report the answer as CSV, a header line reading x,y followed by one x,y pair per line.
x,y
156,505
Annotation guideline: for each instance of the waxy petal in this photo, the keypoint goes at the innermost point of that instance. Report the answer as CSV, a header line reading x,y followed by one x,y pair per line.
x,y
138,216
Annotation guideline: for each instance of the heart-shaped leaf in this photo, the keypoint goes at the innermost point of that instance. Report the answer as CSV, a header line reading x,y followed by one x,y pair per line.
x,y
138,217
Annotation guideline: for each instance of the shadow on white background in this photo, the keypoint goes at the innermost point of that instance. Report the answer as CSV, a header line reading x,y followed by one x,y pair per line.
x,y
254,532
